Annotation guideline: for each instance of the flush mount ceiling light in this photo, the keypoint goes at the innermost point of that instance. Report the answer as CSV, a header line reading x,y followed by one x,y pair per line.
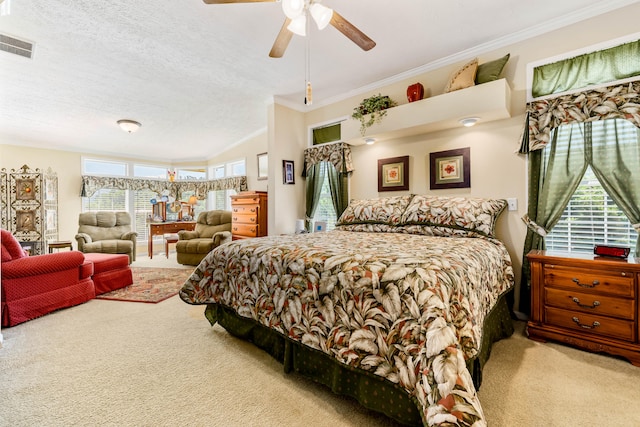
x,y
129,126
469,121
297,11
369,141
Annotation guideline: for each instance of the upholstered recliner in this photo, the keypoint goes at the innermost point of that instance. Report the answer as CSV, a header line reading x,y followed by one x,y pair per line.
x,y
107,233
213,228
33,286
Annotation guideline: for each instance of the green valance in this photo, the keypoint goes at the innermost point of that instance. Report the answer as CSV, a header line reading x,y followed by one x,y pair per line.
x,y
613,102
91,184
596,68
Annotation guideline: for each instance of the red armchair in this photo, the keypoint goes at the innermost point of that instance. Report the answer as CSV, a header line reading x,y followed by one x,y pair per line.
x,y
33,286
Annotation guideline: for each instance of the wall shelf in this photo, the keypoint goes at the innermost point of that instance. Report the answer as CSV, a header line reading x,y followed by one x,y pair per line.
x,y
488,101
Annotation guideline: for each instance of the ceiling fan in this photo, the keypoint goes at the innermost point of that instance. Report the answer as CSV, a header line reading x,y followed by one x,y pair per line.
x,y
297,13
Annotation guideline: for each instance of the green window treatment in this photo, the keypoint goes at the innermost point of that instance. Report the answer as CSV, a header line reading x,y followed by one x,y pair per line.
x,y
339,187
622,101
91,184
338,157
555,173
315,177
327,134
601,67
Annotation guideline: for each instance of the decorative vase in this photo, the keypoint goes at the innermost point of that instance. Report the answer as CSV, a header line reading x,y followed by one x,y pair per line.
x,y
415,92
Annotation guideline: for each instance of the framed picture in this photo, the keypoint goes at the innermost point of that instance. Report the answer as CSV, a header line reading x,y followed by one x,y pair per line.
x,y
263,166
450,169
393,174
25,189
288,176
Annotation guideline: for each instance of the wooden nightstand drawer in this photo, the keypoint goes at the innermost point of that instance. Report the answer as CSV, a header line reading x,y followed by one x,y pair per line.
x,y
600,281
590,324
246,200
590,303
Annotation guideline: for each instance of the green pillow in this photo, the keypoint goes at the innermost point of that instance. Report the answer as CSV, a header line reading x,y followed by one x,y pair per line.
x,y
490,71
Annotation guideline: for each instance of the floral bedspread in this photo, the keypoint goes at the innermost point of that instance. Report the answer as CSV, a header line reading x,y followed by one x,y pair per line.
x,y
409,308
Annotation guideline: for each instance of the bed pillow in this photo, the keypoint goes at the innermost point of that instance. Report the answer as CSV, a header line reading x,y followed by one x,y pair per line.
x,y
490,71
464,77
460,214
385,210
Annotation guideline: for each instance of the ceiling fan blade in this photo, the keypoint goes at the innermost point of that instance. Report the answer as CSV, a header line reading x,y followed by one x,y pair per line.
x,y
282,40
236,1
350,30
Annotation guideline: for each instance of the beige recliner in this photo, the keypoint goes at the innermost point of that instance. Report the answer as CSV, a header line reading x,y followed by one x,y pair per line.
x,y
107,233
213,228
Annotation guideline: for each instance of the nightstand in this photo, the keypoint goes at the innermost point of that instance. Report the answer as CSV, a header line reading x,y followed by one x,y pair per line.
x,y
586,301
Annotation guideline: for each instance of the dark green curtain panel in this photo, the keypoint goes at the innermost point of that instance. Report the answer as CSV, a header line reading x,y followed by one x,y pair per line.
x,y
315,177
338,185
608,65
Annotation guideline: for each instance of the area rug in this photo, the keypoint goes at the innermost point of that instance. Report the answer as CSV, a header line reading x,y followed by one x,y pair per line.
x,y
150,285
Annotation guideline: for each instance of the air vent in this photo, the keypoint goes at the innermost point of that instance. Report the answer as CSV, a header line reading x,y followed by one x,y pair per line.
x,y
15,46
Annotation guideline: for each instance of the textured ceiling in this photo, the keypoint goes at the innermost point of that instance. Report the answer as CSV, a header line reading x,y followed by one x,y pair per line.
x,y
198,77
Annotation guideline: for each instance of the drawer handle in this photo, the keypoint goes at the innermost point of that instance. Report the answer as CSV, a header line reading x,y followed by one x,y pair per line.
x,y
593,325
594,305
592,285
253,220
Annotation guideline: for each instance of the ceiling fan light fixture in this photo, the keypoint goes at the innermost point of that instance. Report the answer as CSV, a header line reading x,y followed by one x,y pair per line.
x,y
298,25
293,8
321,14
129,126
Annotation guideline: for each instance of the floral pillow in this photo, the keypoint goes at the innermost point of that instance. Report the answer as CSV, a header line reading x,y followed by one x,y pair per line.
x,y
459,213
386,210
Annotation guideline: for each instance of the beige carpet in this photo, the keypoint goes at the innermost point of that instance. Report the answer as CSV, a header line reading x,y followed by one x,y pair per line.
x,y
106,363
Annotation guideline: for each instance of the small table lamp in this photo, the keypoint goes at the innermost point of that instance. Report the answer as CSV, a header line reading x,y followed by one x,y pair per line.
x,y
193,200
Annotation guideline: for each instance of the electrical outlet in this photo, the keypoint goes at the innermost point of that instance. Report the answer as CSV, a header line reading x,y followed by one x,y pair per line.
x,y
512,204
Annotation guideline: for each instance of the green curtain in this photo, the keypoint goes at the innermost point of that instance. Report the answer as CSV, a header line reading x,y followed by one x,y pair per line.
x,y
339,187
315,177
326,134
600,67
617,165
554,175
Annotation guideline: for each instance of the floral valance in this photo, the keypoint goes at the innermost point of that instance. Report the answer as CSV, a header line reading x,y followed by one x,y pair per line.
x,y
338,154
91,184
612,102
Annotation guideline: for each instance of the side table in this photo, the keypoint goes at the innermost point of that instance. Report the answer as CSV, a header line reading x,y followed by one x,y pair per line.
x,y
60,245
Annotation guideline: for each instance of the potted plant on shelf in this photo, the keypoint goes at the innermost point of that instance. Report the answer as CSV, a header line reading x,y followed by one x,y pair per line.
x,y
371,110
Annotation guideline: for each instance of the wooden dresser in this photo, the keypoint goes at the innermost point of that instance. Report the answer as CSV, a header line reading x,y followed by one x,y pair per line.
x,y
586,301
249,214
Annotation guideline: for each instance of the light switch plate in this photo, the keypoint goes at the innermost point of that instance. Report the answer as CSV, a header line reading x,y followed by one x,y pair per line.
x,y
512,204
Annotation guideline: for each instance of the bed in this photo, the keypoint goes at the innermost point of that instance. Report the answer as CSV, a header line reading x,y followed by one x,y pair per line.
x,y
397,307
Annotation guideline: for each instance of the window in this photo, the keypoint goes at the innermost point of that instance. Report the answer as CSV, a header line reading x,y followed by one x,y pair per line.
x,y
592,217
325,210
146,171
221,199
103,167
192,174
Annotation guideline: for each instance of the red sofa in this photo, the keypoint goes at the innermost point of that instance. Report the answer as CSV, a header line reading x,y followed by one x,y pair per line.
x,y
36,285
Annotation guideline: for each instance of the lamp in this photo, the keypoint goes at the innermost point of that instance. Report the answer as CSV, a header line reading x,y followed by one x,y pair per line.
x,y
321,14
469,121
370,141
193,200
129,126
297,11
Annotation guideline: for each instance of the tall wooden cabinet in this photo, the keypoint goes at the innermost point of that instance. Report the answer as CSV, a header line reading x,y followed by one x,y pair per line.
x,y
586,301
249,214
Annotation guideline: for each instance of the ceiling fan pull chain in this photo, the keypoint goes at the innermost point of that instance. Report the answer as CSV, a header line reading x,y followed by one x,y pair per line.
x,y
308,99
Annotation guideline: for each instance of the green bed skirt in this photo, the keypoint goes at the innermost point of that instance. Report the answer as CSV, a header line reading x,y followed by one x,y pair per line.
x,y
371,391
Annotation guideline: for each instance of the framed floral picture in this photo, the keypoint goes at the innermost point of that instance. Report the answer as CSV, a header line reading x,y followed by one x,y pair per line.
x,y
393,174
450,169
